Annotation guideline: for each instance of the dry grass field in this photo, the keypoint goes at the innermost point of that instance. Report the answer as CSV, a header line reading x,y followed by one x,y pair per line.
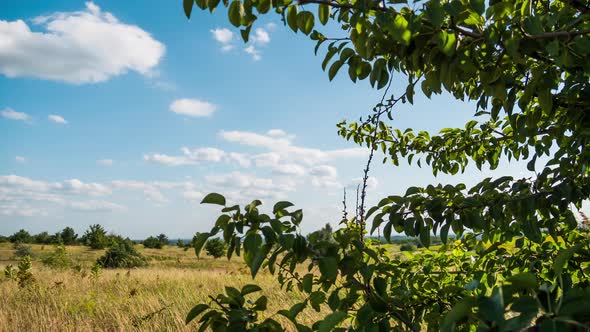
x,y
156,298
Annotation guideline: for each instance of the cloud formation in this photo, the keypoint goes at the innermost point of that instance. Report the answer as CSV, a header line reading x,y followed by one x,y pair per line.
x,y
57,119
225,38
86,46
192,107
11,114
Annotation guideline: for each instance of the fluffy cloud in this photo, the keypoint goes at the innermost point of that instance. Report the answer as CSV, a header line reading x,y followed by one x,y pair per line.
x,y
190,157
21,196
282,145
242,187
371,183
224,37
324,176
57,119
260,36
86,46
20,159
192,107
11,114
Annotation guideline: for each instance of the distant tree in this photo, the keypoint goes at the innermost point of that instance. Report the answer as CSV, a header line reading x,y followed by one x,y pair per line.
x,y
163,239
59,258
42,238
408,246
152,242
215,247
4,239
122,255
96,237
180,243
324,234
21,236
69,236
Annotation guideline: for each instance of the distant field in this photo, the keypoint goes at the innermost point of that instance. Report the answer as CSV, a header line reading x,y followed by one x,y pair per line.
x,y
156,298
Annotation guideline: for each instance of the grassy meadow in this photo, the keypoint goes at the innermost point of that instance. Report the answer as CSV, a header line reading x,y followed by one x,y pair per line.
x,y
155,298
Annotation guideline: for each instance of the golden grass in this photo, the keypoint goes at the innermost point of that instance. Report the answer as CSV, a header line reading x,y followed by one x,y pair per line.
x,y
156,298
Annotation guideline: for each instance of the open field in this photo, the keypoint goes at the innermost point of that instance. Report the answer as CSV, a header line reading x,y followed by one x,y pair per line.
x,y
156,298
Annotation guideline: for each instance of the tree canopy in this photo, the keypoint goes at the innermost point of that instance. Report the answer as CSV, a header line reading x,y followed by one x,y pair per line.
x,y
521,260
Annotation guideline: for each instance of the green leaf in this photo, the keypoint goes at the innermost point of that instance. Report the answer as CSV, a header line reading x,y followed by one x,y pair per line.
x,y
446,42
281,206
329,322
214,198
305,22
200,242
562,258
195,311
328,267
307,282
334,69
292,17
250,288
324,13
236,12
188,7
525,280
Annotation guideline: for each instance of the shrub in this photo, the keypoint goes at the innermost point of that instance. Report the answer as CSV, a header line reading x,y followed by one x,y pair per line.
x,y
152,242
22,250
408,246
4,239
69,236
59,258
215,247
24,276
122,255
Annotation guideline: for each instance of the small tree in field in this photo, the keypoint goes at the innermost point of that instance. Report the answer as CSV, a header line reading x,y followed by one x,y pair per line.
x,y
21,236
122,255
96,237
69,236
215,248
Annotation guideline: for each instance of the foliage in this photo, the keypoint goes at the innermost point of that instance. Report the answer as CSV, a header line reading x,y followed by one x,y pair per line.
x,y
122,255
3,239
21,236
24,276
156,242
522,261
322,235
95,237
42,238
22,250
180,243
69,236
10,272
96,271
215,247
152,242
408,246
59,258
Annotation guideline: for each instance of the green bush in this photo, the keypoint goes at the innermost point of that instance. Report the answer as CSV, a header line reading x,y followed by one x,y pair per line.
x,y
215,247
408,246
152,242
59,258
95,237
122,255
21,236
22,250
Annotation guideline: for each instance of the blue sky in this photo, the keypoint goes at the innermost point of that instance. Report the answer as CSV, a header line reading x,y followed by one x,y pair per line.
x,y
125,113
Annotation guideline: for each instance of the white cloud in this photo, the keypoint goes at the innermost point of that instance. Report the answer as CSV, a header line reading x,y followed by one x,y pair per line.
x,y
193,196
192,107
204,154
276,133
371,183
224,37
269,159
57,119
289,169
240,158
324,171
260,37
254,52
20,159
168,160
283,146
105,162
86,46
96,206
11,114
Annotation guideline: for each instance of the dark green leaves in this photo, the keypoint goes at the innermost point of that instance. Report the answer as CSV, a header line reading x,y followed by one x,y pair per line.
x,y
328,267
281,206
214,198
305,22
195,311
200,242
324,13
331,321
236,12
188,7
